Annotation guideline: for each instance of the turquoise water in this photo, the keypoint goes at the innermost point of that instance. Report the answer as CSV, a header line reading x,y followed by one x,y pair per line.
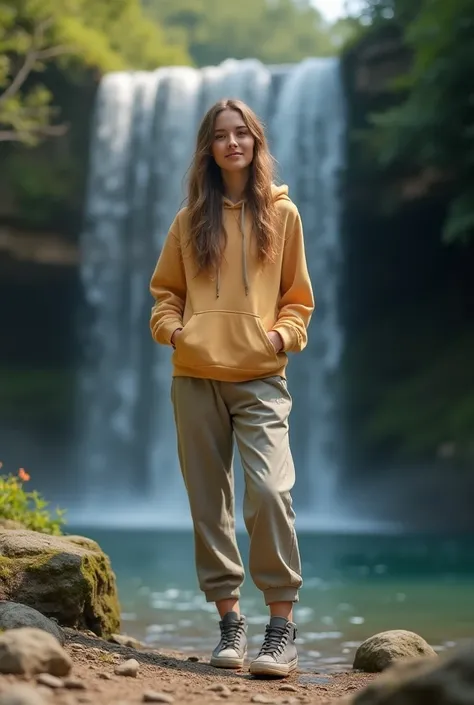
x,y
354,586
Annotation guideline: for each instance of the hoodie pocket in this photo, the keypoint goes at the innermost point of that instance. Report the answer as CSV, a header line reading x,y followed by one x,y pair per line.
x,y
225,339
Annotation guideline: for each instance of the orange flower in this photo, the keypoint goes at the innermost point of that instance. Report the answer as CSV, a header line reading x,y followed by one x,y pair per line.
x,y
23,475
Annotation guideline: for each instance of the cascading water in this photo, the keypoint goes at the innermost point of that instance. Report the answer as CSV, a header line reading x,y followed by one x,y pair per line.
x,y
143,140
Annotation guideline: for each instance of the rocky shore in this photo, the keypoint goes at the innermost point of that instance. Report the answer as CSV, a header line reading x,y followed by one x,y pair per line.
x,y
60,644
104,672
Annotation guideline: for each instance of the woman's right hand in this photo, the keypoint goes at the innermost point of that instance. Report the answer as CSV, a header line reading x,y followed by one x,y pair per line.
x,y
175,335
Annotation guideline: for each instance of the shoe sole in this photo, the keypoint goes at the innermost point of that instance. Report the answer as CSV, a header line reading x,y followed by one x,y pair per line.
x,y
227,662
278,670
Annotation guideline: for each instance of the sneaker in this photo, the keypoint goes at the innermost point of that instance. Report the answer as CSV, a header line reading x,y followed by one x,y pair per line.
x,y
278,655
232,648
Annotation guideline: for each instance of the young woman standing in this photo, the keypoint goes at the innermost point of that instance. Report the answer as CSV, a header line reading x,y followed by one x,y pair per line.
x,y
233,297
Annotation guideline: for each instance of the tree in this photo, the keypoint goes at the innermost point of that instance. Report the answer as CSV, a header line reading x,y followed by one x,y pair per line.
x,y
277,31
432,127
75,34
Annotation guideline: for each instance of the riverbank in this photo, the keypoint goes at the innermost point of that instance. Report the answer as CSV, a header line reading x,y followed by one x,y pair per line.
x,y
179,678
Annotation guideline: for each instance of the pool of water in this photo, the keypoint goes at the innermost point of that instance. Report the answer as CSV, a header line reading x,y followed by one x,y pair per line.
x,y
354,586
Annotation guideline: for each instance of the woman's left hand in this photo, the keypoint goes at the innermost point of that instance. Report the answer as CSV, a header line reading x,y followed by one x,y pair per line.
x,y
276,340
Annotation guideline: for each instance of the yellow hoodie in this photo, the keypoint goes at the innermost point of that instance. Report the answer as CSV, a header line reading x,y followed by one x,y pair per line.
x,y
225,318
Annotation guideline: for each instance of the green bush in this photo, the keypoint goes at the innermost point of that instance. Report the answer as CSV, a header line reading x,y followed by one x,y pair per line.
x,y
27,508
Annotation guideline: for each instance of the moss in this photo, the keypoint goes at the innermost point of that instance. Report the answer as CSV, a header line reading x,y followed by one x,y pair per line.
x,y
12,568
105,615
6,568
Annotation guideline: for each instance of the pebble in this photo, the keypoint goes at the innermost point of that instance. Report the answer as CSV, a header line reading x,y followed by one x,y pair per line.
x,y
151,696
74,684
193,659
289,688
124,640
49,680
105,676
128,668
21,694
219,688
258,698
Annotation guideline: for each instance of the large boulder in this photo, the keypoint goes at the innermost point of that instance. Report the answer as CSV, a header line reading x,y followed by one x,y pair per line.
x,y
382,650
15,616
66,578
448,680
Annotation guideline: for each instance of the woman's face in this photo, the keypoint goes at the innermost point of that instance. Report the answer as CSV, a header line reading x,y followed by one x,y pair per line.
x,y
233,144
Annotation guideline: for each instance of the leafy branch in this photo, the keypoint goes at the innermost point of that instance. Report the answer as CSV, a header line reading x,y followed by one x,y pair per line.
x,y
27,116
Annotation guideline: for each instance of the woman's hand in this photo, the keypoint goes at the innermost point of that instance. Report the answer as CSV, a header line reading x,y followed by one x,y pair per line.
x,y
175,335
276,340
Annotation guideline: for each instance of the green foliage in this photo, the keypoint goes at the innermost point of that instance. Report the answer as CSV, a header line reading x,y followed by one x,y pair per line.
x,y
432,126
77,35
43,186
432,404
275,31
27,508
35,395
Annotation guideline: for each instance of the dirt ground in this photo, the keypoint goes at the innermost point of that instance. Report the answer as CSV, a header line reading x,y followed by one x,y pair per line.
x,y
181,679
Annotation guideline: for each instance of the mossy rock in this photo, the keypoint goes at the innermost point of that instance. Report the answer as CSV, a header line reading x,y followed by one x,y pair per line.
x,y
70,580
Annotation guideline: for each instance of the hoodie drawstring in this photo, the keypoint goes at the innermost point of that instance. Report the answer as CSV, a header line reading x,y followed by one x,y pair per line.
x,y
244,258
244,250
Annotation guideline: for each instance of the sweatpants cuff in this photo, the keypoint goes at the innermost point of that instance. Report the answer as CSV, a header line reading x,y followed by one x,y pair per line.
x,y
284,594
221,594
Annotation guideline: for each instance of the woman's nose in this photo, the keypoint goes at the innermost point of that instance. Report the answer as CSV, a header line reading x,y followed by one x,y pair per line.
x,y
232,141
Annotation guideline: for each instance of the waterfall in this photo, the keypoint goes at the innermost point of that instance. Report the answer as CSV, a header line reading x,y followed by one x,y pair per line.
x,y
144,133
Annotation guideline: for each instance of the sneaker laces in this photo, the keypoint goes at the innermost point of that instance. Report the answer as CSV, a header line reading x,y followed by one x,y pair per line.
x,y
230,633
275,640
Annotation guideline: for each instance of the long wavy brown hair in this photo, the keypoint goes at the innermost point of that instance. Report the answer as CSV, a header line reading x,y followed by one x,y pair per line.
x,y
207,236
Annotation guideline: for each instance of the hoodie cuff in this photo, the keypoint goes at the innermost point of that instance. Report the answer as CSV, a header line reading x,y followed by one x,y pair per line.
x,y
288,335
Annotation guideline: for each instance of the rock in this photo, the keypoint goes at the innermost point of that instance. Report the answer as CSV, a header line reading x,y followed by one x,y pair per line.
x,y
128,668
68,578
193,659
21,695
74,684
219,688
151,696
10,525
447,680
384,649
32,651
260,699
124,640
49,680
14,615
289,688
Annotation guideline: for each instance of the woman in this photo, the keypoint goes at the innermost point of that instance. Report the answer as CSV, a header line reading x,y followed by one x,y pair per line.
x,y
233,297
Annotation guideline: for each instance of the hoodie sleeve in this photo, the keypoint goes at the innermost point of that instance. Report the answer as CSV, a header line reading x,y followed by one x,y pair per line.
x,y
297,301
168,288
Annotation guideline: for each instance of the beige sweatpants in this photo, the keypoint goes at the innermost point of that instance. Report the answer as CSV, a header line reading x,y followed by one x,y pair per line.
x,y
208,415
